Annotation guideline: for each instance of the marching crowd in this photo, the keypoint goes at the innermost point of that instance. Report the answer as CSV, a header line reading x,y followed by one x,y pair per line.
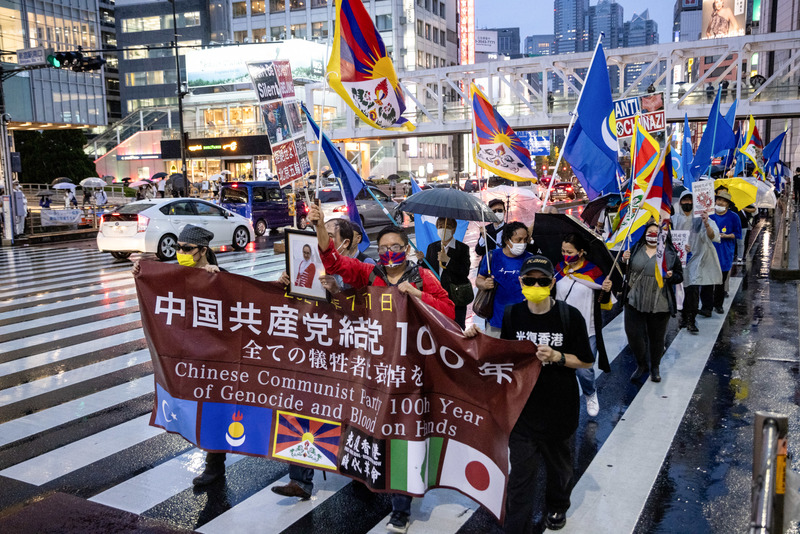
x,y
524,295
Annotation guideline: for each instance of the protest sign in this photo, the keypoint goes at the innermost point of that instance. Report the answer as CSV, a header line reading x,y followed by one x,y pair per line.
x,y
680,238
703,192
282,119
374,385
60,217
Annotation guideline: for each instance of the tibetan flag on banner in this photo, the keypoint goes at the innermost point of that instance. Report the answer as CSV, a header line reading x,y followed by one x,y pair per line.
x,y
415,464
496,147
362,73
307,440
351,182
591,147
752,146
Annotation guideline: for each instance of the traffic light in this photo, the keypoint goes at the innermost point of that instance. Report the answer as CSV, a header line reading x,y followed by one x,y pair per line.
x,y
89,63
75,61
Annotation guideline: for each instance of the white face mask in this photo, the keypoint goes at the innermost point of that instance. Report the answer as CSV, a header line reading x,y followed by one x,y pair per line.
x,y
445,234
720,209
517,248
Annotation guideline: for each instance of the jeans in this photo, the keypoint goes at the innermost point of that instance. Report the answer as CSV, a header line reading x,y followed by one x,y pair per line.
x,y
304,476
646,333
586,377
527,456
719,291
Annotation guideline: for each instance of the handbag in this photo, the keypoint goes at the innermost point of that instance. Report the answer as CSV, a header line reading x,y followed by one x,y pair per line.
x,y
483,305
461,294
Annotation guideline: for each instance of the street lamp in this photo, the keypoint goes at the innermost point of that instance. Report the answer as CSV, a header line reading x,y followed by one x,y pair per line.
x,y
180,88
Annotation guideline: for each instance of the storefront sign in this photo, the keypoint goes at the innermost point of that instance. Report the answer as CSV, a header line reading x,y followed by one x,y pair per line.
x,y
210,147
137,157
282,118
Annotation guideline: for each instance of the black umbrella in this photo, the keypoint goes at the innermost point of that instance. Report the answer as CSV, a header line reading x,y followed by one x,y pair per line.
x,y
177,181
591,212
62,180
159,175
450,203
394,177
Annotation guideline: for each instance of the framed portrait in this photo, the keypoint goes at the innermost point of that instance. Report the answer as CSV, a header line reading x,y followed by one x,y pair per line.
x,y
304,265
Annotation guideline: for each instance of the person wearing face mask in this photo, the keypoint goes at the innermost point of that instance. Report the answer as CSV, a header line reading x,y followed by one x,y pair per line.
x,y
582,285
730,229
541,436
393,269
193,250
505,264
702,266
493,230
647,306
450,260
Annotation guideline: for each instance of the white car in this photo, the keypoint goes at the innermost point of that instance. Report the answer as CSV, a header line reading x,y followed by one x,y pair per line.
x,y
154,226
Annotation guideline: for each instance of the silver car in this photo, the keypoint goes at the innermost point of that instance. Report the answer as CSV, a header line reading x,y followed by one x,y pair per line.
x,y
370,211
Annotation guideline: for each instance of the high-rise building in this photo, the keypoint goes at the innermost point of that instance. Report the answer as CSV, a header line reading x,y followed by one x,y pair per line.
x,y
641,30
508,41
687,21
606,18
571,27
539,45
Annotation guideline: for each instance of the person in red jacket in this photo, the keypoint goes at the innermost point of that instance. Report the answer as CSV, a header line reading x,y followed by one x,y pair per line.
x,y
393,269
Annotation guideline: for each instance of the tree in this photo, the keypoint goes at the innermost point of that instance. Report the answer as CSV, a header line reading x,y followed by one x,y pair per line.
x,y
51,154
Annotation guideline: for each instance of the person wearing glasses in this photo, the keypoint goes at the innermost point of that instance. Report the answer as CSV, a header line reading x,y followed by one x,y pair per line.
x,y
393,270
505,264
493,230
193,250
541,437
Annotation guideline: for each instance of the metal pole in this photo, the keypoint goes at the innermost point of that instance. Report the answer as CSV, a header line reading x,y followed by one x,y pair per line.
x,y
770,449
764,483
8,226
180,88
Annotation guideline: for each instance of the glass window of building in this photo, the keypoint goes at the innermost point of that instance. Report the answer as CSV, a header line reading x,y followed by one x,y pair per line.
x,y
240,36
259,35
278,33
420,29
428,32
277,6
297,5
435,62
239,9
215,118
383,22
419,58
319,3
441,10
428,5
427,61
319,29
436,35
298,31
257,7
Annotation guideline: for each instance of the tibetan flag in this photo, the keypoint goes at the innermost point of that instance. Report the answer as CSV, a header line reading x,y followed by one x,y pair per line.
x,y
175,415
362,73
351,182
661,256
686,153
591,147
235,428
414,465
589,273
658,199
473,473
752,146
496,147
644,156
307,440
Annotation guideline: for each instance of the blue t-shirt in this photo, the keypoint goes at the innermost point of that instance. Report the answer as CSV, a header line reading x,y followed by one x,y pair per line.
x,y
728,223
505,271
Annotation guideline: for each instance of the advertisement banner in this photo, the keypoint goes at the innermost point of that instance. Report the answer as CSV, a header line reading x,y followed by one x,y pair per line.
x,y
61,217
486,41
723,18
374,385
282,119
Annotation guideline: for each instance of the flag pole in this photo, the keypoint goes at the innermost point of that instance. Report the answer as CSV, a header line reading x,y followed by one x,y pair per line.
x,y
714,135
574,115
322,113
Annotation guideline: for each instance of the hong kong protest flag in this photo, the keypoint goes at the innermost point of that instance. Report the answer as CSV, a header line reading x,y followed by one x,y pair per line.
x,y
496,147
361,72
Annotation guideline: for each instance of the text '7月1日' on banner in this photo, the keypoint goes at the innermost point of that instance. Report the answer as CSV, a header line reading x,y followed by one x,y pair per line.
x,y
374,384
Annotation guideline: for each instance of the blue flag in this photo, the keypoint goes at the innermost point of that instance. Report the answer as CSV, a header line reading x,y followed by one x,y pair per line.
x,y
176,415
591,147
717,137
772,153
686,153
730,116
351,182
425,226
235,428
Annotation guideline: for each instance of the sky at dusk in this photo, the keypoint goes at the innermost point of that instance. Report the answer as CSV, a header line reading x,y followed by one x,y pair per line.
x,y
536,16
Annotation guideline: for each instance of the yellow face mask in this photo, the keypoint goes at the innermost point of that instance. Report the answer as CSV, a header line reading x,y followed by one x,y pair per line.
x,y
535,293
187,260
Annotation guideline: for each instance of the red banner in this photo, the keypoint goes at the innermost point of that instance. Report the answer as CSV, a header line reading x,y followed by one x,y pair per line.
x,y
374,385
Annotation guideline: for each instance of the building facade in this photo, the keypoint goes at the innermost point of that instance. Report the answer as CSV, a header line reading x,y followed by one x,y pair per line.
x,y
508,41
539,45
606,18
570,25
641,30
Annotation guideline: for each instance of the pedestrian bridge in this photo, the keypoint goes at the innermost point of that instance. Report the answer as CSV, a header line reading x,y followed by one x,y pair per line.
x,y
438,99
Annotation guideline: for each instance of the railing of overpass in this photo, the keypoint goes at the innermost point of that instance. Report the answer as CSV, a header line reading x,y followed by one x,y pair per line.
x,y
438,98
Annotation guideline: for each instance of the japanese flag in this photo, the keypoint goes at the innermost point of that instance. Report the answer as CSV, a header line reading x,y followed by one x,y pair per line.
x,y
475,474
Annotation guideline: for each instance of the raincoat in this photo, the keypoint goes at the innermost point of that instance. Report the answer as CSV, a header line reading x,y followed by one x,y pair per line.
x,y
702,269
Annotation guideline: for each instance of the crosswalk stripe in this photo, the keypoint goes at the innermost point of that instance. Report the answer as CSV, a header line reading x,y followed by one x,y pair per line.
x,y
22,328
442,510
35,307
49,337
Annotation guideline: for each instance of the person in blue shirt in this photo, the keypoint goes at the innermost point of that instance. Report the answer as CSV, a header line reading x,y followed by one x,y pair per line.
x,y
506,262
730,229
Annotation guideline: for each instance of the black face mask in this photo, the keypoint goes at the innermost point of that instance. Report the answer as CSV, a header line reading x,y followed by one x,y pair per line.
x,y
687,207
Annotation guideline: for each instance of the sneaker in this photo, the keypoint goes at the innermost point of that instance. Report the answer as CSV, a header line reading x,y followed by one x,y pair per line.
x,y
292,489
704,313
692,328
555,520
207,477
719,310
398,523
592,405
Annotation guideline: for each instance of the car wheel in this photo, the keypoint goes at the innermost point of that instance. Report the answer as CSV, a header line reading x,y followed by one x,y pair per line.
x,y
261,227
241,237
167,247
121,255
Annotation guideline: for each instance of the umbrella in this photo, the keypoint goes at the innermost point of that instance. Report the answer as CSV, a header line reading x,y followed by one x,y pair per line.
x,y
62,180
743,193
522,203
393,177
45,193
65,185
591,212
450,203
158,176
765,197
139,183
93,182
216,177
226,171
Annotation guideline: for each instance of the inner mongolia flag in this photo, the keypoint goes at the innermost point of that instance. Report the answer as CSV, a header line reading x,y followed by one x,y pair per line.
x,y
591,147
362,73
496,147
235,428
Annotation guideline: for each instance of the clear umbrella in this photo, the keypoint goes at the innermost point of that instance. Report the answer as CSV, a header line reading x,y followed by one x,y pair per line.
x,y
89,183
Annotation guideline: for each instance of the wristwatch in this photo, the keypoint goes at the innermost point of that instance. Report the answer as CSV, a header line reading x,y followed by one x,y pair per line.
x,y
563,360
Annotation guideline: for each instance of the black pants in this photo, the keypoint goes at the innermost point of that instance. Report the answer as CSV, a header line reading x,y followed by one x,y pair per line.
x,y
646,333
527,457
461,316
694,296
719,291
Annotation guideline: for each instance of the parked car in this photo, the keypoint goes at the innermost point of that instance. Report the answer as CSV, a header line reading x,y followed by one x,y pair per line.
x,y
563,191
265,203
333,206
445,185
474,185
154,226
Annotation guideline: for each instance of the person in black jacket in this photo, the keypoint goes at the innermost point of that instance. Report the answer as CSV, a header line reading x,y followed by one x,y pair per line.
x,y
493,230
449,258
647,306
